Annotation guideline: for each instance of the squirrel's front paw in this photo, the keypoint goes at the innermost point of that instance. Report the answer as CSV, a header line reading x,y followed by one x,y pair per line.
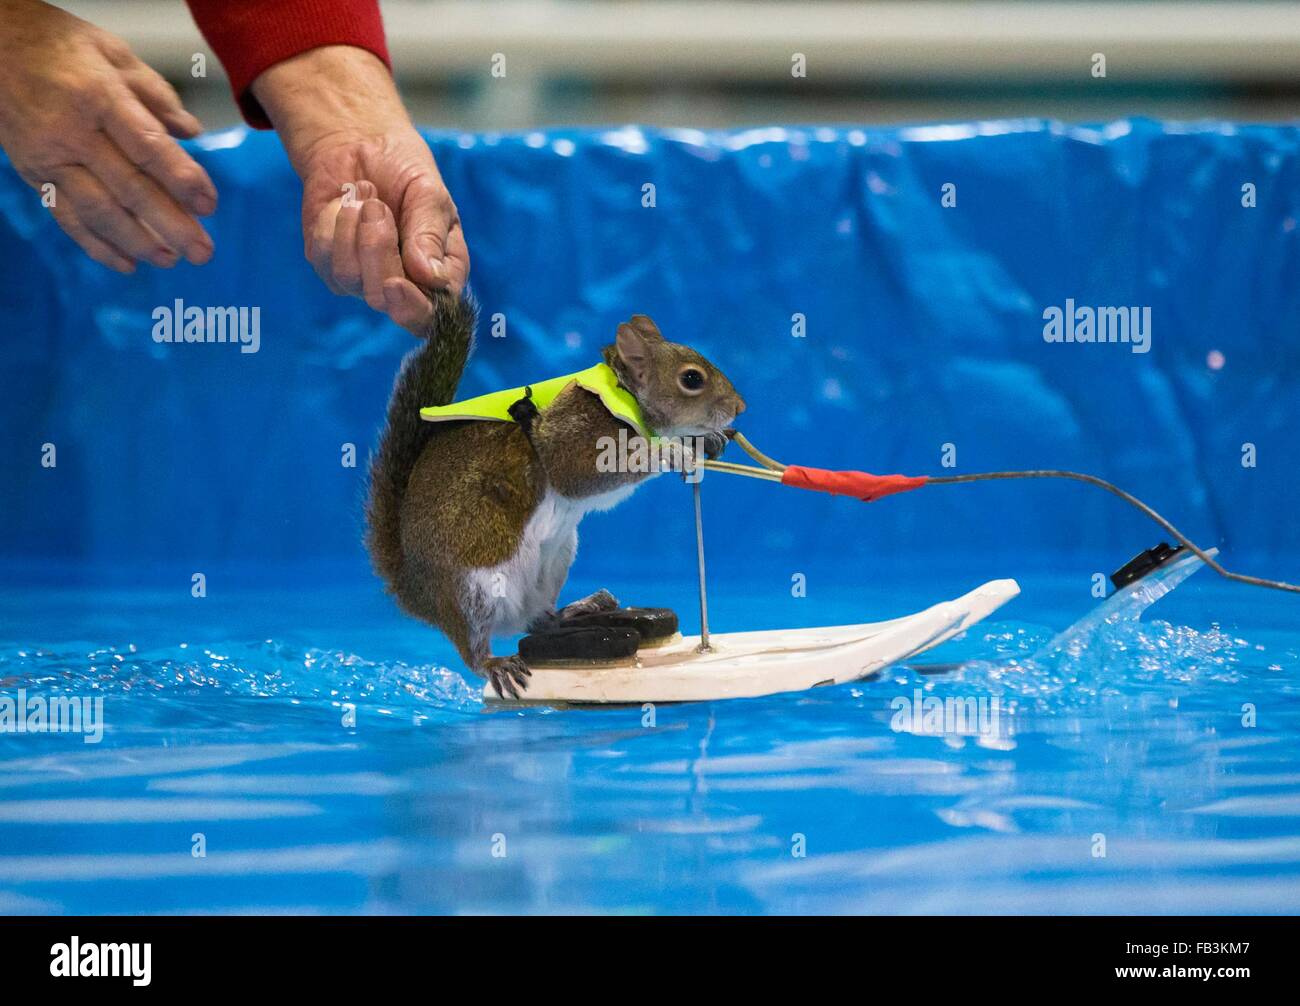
x,y
714,445
680,455
507,675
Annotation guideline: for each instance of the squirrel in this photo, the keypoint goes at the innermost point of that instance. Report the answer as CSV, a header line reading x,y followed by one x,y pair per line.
x,y
473,525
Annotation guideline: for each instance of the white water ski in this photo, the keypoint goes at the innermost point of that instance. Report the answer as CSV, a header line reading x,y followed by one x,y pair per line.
x,y
749,664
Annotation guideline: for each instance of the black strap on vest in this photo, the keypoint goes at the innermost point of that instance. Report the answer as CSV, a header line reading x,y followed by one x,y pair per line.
x,y
524,412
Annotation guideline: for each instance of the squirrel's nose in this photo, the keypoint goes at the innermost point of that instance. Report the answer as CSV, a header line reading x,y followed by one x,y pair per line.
x,y
740,405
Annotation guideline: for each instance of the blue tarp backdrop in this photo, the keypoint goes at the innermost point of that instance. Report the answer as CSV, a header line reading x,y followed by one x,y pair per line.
x,y
867,324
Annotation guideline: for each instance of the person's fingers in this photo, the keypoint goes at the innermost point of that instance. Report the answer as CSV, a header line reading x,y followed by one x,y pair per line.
x,y
160,98
113,48
346,263
377,250
105,217
407,304
144,140
456,259
320,244
147,202
320,192
387,288
97,248
427,214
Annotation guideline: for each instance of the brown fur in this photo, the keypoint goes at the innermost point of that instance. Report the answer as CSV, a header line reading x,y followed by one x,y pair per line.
x,y
472,487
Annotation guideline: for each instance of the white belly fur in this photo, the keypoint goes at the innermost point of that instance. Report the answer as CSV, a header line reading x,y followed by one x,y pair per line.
x,y
527,584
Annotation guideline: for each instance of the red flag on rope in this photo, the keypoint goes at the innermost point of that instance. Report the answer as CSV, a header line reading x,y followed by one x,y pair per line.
x,y
861,485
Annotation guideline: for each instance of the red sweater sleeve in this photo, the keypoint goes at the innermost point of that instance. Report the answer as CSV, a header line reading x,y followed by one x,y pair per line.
x,y
250,35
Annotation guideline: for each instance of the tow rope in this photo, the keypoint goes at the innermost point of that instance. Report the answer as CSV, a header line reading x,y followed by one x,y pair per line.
x,y
868,488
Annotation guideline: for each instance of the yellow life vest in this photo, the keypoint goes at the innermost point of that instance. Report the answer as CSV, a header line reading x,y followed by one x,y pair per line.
x,y
600,380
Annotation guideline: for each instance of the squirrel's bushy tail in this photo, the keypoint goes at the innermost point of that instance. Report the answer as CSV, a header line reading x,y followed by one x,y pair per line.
x,y
428,376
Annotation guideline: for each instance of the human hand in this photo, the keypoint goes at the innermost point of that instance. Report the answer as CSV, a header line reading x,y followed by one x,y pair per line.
x,y
78,111
377,219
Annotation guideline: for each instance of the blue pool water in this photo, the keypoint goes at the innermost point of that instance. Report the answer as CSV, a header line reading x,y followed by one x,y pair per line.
x,y
225,718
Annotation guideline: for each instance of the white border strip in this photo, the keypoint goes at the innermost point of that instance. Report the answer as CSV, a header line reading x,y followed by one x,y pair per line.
x,y
734,40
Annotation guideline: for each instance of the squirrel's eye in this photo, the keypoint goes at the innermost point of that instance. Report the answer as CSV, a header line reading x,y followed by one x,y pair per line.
x,y
691,380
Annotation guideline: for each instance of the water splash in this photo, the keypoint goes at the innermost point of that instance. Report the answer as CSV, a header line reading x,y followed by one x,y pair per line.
x,y
1108,651
266,669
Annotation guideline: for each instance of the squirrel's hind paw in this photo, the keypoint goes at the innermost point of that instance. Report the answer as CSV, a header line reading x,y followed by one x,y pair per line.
x,y
507,675
601,600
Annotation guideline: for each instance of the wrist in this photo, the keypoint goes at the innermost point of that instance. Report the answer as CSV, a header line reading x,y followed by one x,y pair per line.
x,y
327,92
13,11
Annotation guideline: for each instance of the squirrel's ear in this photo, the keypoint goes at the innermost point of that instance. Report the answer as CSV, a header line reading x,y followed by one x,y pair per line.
x,y
646,327
634,352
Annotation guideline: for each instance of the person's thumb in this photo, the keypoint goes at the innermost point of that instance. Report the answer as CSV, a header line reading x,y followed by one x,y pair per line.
x,y
426,217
